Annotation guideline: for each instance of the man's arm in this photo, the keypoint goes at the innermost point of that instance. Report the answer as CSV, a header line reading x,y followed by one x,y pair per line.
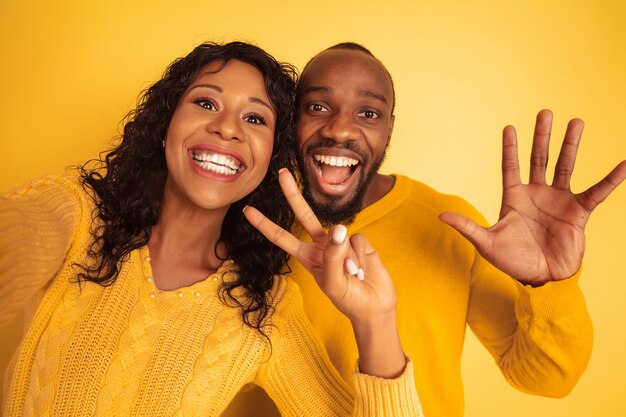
x,y
535,325
541,338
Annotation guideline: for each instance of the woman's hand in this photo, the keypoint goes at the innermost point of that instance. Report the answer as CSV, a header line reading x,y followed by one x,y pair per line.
x,y
351,274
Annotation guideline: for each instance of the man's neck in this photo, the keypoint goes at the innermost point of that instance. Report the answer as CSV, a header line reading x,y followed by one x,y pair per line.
x,y
379,187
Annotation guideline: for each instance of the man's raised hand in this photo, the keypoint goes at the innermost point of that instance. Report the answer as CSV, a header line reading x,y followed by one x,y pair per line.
x,y
539,236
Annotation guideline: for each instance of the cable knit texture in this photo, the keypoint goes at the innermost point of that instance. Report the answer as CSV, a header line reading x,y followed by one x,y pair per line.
x,y
131,350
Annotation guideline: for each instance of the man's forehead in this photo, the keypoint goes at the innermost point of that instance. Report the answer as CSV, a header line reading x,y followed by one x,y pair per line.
x,y
337,68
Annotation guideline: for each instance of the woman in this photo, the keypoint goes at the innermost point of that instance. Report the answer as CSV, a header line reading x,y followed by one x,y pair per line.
x,y
152,295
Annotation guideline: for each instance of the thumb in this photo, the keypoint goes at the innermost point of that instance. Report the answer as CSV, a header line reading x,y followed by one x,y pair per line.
x,y
334,278
476,234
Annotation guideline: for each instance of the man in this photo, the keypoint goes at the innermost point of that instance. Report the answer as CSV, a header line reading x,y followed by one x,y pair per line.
x,y
514,284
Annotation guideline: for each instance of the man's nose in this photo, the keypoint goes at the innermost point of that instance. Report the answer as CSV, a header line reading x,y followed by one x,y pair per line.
x,y
341,127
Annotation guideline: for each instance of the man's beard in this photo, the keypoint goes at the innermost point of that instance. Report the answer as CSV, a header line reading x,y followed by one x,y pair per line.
x,y
330,213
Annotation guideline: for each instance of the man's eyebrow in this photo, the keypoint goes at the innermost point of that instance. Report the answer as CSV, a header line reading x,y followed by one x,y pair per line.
x,y
373,95
363,93
315,89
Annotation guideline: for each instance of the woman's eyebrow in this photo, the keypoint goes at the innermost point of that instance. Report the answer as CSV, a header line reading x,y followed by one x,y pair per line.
x,y
221,90
211,86
261,102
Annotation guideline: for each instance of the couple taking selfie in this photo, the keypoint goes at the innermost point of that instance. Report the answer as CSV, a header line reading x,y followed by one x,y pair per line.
x,y
240,234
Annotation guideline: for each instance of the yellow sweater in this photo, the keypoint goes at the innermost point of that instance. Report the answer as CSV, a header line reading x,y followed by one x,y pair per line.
x,y
539,337
131,350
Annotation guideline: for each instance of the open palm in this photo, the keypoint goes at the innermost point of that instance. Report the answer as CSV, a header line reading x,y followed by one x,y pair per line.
x,y
539,236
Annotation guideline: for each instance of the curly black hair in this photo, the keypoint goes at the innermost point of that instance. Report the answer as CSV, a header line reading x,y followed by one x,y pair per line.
x,y
127,182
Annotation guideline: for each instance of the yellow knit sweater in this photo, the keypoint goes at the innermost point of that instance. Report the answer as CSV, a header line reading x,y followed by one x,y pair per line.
x,y
540,338
131,350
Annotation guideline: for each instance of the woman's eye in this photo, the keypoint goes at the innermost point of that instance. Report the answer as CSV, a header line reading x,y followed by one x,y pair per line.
x,y
206,104
369,114
255,119
317,108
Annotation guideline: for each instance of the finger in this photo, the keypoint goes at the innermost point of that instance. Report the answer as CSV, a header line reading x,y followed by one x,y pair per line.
x,y
600,191
351,261
541,145
338,235
334,281
567,156
476,234
376,271
300,207
510,162
274,233
351,267
352,264
360,245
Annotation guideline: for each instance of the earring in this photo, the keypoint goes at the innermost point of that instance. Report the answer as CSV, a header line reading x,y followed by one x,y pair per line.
x,y
163,142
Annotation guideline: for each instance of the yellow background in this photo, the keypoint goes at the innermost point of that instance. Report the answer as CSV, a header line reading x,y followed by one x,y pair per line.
x,y
70,70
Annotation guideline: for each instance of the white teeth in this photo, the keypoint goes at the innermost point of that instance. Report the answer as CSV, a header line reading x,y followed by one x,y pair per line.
x,y
219,169
336,161
216,162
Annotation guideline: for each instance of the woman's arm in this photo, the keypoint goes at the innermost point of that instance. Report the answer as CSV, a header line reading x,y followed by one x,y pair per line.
x,y
36,226
367,298
351,274
301,380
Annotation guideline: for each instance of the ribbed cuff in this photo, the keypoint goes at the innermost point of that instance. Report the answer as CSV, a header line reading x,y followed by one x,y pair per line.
x,y
386,397
552,300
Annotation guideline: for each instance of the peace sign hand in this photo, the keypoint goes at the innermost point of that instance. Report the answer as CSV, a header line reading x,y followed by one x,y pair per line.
x,y
349,271
367,298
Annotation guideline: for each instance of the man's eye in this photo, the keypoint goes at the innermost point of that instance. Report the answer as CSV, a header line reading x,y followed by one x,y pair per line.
x,y
255,119
317,108
206,104
369,114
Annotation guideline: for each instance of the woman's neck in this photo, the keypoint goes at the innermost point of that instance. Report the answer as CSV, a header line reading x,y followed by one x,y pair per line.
x,y
184,245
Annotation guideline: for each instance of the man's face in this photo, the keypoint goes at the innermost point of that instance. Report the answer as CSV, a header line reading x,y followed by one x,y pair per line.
x,y
345,123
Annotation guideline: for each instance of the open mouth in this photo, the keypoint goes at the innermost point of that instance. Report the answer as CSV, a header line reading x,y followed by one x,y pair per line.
x,y
334,172
217,163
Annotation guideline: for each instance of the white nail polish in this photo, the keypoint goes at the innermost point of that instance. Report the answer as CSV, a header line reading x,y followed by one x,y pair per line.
x,y
360,274
339,234
351,267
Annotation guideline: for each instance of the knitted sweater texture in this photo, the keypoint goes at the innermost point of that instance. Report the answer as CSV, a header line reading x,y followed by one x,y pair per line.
x,y
129,349
540,338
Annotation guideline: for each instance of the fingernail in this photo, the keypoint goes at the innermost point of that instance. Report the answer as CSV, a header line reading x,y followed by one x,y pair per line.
x,y
281,170
339,234
360,274
351,267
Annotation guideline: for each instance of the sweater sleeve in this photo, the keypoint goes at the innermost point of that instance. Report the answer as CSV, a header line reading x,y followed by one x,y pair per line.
x,y
301,380
540,337
36,227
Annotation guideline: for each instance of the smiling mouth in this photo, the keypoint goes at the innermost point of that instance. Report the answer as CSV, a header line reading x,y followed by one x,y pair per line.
x,y
216,162
335,170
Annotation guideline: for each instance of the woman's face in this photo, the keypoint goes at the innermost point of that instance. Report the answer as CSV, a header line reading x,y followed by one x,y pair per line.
x,y
220,139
